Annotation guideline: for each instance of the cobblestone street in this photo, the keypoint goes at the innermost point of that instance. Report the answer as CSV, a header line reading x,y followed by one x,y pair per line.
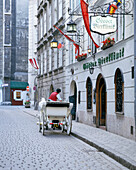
x,y
23,147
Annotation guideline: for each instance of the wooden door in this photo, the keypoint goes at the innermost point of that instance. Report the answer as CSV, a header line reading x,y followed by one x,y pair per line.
x,y
102,105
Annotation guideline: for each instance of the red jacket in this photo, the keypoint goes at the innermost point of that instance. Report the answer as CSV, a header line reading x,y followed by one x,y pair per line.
x,y
53,96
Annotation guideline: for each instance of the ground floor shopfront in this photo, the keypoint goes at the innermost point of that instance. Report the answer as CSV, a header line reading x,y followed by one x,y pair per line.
x,y
105,99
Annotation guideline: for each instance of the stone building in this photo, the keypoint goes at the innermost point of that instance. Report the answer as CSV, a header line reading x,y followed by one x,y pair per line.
x,y
32,72
13,45
51,74
104,98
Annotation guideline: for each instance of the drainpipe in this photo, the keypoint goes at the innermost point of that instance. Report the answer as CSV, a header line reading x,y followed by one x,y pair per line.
x,y
135,64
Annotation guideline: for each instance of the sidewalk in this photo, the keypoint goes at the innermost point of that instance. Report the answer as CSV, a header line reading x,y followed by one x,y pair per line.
x,y
119,148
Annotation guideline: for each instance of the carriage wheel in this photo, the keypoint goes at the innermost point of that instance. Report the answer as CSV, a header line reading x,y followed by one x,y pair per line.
x,y
40,126
69,126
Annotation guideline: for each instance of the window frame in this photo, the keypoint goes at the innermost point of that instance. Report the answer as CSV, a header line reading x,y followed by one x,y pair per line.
x,y
115,82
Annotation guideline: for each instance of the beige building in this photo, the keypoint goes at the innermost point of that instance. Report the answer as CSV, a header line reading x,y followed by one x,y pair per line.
x,y
104,99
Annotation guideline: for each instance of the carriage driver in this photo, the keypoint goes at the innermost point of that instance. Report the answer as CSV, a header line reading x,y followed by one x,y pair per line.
x,y
55,96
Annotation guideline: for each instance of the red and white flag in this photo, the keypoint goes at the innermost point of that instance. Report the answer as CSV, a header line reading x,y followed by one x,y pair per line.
x,y
34,63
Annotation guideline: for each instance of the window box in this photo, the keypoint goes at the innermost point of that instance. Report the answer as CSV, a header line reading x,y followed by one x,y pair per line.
x,y
81,57
108,43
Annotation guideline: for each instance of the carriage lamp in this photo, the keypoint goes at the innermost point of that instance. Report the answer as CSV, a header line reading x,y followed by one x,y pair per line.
x,y
54,43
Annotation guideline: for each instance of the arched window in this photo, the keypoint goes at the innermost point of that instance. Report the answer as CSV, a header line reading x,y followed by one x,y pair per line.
x,y
89,93
119,91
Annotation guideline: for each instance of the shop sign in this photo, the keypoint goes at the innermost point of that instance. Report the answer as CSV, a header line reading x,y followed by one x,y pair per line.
x,y
103,25
104,60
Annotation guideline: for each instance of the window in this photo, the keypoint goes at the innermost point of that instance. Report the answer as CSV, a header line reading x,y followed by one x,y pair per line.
x,y
60,56
60,9
7,29
49,19
38,35
55,58
132,68
42,56
7,6
41,27
119,91
120,26
45,31
55,11
89,93
72,5
18,95
70,52
50,60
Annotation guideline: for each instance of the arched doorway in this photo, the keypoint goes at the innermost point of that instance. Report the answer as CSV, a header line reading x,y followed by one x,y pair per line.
x,y
73,98
101,102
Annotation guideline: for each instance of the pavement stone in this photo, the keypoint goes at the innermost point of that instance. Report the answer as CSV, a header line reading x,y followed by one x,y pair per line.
x,y
121,149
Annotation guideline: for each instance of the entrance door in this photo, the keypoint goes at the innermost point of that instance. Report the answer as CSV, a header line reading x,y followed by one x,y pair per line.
x,y
73,99
102,105
101,102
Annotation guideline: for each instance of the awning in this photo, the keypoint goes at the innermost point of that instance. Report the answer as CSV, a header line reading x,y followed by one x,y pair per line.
x,y
18,85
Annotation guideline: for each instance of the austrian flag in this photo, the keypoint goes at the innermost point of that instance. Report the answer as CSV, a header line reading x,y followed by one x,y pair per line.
x,y
34,63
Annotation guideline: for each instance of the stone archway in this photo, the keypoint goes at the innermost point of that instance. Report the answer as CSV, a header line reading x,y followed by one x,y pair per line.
x,y
101,102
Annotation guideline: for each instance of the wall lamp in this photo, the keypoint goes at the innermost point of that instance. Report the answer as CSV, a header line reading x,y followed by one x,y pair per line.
x,y
71,26
54,43
91,70
89,50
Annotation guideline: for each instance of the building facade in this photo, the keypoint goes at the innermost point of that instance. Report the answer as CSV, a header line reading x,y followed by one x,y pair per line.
x,y
51,74
32,72
14,45
104,99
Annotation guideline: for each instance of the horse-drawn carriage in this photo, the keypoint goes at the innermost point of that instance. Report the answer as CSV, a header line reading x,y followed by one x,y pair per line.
x,y
55,115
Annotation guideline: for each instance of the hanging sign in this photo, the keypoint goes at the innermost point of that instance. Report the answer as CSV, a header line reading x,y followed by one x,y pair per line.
x,y
103,25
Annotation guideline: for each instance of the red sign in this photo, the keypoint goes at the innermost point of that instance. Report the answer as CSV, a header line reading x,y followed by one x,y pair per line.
x,y
27,88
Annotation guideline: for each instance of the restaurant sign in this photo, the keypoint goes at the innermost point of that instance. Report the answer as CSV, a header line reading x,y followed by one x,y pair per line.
x,y
104,60
103,25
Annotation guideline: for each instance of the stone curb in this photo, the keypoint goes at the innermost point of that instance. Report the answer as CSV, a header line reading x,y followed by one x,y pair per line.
x,y
107,152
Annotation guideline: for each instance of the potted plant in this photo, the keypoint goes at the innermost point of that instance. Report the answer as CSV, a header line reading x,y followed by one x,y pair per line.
x,y
107,43
81,57
27,104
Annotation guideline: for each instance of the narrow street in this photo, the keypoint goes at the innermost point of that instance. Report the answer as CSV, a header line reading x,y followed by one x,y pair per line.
x,y
22,147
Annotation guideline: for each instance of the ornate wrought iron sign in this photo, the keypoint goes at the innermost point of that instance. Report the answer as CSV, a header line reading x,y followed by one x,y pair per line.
x,y
113,8
124,7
